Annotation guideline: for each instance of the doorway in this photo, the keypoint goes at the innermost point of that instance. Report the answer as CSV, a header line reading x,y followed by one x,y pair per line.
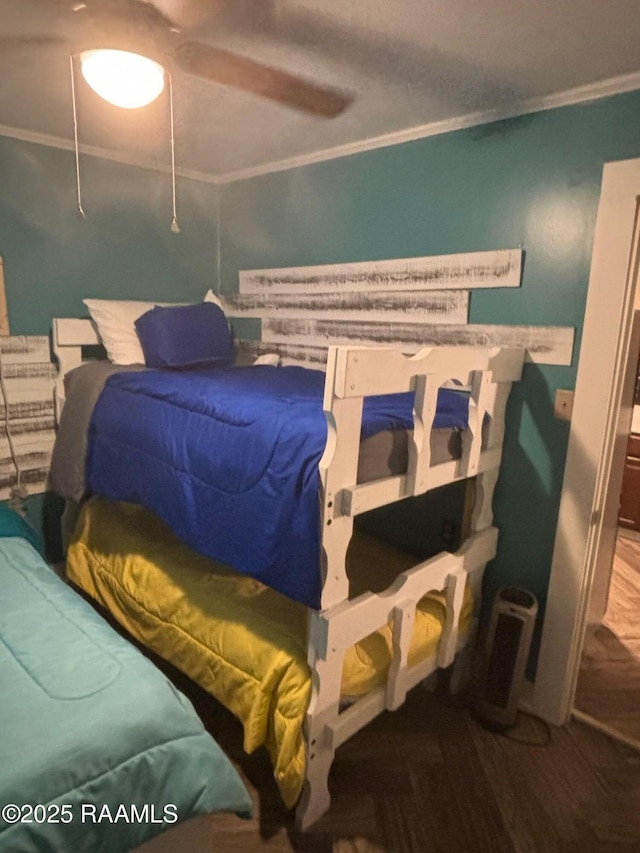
x,y
600,426
608,685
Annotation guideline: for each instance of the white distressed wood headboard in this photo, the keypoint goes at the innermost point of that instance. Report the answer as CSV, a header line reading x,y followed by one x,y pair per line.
x,y
410,303
69,336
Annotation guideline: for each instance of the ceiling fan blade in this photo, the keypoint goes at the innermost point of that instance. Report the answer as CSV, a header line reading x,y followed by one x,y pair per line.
x,y
230,69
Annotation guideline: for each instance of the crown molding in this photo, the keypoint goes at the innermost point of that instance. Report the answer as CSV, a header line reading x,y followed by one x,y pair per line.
x,y
102,153
570,97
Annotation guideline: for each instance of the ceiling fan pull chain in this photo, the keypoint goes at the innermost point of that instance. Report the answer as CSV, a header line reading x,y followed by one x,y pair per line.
x,y
174,222
75,133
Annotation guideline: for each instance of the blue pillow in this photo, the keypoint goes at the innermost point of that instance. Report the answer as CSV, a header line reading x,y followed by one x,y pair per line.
x,y
184,336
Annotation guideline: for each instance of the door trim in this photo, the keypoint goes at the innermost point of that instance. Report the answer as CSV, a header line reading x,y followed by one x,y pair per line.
x,y
599,384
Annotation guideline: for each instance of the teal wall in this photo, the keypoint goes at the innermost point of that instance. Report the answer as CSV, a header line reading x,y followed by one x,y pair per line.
x,y
123,248
531,182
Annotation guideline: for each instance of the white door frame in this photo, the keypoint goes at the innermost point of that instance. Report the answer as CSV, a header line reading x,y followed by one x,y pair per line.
x,y
603,358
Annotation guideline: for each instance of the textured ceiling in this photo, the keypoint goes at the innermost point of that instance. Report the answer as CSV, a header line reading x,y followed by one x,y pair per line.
x,y
410,65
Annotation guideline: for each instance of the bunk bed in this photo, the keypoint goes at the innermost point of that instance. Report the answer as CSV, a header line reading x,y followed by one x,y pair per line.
x,y
338,617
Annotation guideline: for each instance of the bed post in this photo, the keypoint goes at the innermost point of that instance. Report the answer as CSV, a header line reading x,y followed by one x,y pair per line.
x,y
481,519
68,337
325,664
338,469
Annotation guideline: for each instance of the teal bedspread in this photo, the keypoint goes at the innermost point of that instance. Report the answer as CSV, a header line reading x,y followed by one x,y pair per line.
x,y
98,750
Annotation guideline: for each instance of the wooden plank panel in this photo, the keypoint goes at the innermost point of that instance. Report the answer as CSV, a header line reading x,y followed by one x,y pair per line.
x,y
35,480
544,344
442,306
42,428
31,459
24,349
26,444
464,271
44,371
25,390
38,411
28,379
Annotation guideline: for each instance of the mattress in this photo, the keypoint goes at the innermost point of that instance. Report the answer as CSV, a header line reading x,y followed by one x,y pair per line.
x,y
241,641
98,750
381,455
212,451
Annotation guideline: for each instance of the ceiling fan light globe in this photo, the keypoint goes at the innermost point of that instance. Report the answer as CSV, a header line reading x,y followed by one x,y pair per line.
x,y
122,78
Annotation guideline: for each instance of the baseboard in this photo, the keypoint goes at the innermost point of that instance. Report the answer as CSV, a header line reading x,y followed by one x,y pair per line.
x,y
626,533
605,729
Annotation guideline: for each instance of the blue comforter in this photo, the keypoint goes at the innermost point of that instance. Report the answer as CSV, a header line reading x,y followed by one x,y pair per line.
x,y
229,459
98,751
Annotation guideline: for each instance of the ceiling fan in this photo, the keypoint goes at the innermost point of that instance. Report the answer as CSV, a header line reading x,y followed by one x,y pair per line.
x,y
168,31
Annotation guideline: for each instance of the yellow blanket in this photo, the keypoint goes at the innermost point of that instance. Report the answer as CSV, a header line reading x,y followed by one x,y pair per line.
x,y
241,641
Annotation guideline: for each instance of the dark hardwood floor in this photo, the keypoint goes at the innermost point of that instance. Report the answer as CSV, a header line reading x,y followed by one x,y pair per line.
x,y
608,687
428,778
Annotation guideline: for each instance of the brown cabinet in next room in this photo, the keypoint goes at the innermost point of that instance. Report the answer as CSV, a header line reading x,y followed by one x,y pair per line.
x,y
629,515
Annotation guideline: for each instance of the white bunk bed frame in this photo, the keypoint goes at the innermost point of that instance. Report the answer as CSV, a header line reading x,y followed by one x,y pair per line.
x,y
353,373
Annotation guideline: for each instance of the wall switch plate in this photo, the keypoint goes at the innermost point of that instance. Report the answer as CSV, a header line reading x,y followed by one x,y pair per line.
x,y
563,405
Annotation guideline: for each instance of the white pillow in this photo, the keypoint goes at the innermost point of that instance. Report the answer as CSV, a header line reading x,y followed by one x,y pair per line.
x,y
211,297
268,358
115,320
